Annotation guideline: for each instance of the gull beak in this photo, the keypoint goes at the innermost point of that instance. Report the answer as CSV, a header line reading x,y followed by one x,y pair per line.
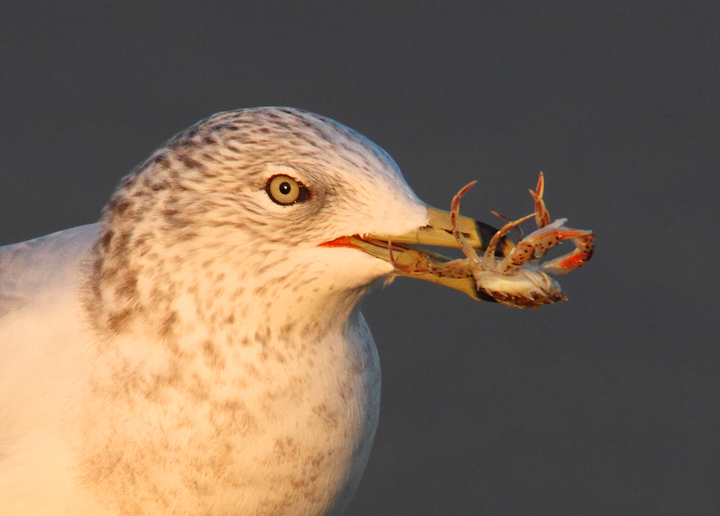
x,y
418,263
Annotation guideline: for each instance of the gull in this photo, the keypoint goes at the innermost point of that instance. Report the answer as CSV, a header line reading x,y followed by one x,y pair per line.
x,y
200,350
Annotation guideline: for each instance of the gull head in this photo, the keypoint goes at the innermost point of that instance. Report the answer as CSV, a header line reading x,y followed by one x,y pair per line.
x,y
239,205
248,211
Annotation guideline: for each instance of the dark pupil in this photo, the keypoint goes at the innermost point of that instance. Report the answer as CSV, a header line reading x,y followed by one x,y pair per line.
x,y
285,188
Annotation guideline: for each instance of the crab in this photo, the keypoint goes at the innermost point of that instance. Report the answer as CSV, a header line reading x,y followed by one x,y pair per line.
x,y
515,276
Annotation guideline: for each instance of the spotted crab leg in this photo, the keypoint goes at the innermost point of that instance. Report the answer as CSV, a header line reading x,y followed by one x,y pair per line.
x,y
515,254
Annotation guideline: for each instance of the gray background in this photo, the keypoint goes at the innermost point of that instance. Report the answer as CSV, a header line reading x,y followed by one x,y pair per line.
x,y
606,404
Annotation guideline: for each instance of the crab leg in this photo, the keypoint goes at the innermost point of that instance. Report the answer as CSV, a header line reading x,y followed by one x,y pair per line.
x,y
465,246
489,257
542,215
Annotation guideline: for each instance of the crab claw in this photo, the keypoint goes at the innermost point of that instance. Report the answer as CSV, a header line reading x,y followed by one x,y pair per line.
x,y
584,244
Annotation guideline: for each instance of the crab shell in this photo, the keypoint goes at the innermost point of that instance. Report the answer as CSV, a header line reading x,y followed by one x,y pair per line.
x,y
526,287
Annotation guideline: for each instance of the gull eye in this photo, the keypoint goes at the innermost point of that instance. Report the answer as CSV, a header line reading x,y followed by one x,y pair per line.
x,y
285,190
